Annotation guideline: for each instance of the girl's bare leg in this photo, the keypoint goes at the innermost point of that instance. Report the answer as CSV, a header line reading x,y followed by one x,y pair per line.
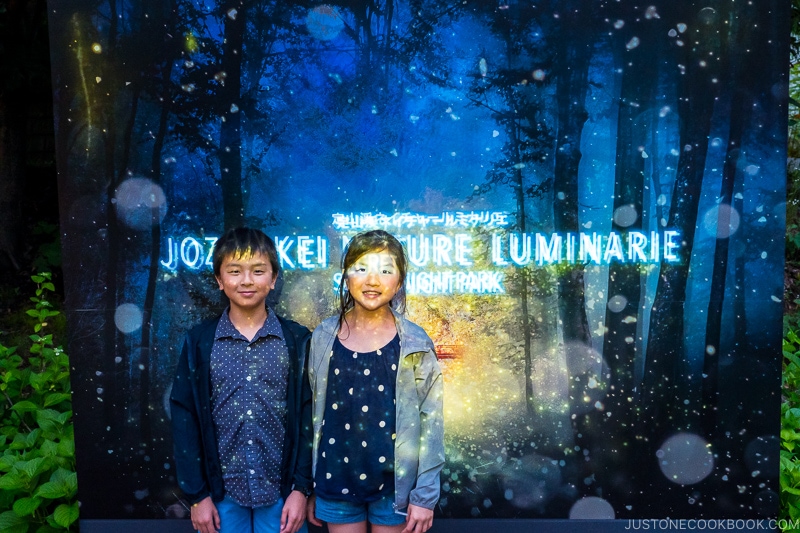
x,y
386,529
356,527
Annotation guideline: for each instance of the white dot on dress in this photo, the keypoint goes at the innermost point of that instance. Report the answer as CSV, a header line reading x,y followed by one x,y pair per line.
x,y
362,477
334,407
364,443
365,408
350,391
380,388
346,459
328,475
345,491
331,440
381,459
347,426
394,367
382,423
355,355
366,371
379,351
336,371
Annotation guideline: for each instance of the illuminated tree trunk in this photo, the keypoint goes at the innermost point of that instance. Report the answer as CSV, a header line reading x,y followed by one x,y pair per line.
x,y
230,136
573,55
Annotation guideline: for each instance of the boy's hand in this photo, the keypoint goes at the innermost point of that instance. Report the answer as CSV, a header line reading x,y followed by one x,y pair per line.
x,y
418,519
205,517
311,508
294,512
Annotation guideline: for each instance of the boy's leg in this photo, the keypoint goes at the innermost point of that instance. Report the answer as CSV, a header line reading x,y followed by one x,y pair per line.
x,y
268,519
233,518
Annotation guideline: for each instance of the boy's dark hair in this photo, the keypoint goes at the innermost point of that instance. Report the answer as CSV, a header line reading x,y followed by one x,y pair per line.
x,y
245,242
363,243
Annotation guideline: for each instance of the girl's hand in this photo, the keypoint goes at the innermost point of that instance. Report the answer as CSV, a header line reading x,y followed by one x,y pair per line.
x,y
418,519
311,507
205,517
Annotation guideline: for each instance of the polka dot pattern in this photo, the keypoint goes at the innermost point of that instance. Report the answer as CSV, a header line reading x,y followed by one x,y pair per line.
x,y
357,451
249,387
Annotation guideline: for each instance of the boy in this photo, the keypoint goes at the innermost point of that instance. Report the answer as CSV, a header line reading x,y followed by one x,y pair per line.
x,y
241,402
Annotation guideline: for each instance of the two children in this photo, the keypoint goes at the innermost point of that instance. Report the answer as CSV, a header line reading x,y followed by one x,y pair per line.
x,y
247,457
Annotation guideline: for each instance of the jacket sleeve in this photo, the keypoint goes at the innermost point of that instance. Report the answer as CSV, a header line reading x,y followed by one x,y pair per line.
x,y
302,475
430,390
186,437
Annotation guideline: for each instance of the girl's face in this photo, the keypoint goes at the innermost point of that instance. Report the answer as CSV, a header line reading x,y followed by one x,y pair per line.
x,y
373,280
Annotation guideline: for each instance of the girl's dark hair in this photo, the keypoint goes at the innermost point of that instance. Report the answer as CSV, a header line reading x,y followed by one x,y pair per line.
x,y
245,242
363,243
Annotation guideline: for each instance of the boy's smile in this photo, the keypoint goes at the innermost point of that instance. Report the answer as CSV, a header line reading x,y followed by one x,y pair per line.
x,y
246,280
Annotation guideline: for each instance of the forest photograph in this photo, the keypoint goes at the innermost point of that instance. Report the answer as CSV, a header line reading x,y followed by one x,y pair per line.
x,y
592,196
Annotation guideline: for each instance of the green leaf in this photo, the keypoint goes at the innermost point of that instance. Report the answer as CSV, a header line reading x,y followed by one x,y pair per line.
x,y
65,515
25,406
32,437
52,490
49,448
7,462
36,466
56,398
66,448
11,523
26,506
11,481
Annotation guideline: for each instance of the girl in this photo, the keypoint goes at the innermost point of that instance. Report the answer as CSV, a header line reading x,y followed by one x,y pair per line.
x,y
377,401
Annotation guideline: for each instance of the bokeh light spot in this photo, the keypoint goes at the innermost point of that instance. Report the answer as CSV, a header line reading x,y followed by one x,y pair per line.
x,y
721,221
591,508
128,318
685,458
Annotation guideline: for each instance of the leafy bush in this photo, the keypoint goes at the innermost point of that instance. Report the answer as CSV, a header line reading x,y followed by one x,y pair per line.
x,y
38,484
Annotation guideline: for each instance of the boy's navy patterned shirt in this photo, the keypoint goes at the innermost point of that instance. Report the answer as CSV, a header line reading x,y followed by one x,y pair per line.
x,y
249,384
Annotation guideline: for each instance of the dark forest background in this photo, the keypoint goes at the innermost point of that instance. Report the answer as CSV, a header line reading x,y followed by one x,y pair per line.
x,y
29,234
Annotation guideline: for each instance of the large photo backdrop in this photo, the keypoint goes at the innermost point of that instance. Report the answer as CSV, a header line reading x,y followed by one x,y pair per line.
x,y
591,195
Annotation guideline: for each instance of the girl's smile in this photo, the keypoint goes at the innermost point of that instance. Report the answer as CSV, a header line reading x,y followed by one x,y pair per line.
x,y
373,280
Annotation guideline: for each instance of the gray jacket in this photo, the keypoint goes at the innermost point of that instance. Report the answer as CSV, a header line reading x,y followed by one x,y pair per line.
x,y
419,446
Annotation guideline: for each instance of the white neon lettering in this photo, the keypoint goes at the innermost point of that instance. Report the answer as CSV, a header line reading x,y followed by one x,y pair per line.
x,y
654,247
670,246
304,251
419,249
190,246
441,249
519,256
497,251
548,252
613,248
590,244
571,245
172,259
322,251
636,243
282,246
463,249
211,242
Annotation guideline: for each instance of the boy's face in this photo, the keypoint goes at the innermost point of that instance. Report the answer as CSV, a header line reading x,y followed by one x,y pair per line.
x,y
246,280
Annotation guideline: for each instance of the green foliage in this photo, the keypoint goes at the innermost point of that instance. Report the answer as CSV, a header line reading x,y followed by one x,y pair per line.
x,y
38,483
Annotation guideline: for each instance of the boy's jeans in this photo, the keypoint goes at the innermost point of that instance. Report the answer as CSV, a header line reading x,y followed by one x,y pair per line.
x,y
237,519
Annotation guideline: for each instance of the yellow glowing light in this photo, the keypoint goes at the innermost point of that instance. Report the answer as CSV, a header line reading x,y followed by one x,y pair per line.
x,y
97,48
191,43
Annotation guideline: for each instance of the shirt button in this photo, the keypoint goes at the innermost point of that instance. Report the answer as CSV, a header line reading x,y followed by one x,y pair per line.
x,y
249,378
249,412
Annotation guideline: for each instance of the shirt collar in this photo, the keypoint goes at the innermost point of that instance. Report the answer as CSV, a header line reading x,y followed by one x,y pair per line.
x,y
226,329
